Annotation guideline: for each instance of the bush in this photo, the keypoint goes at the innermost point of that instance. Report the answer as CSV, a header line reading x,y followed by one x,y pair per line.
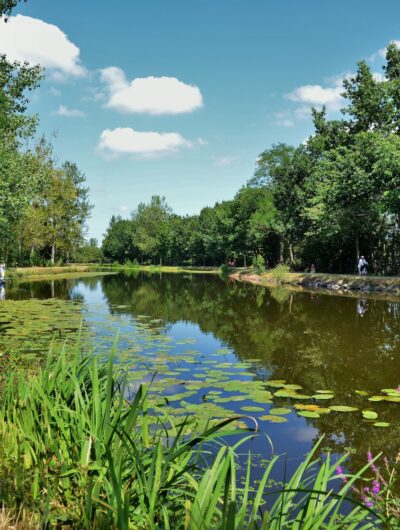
x,y
280,273
259,263
224,270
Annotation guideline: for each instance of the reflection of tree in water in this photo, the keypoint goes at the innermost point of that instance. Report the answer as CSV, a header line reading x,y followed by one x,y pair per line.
x,y
319,342
62,289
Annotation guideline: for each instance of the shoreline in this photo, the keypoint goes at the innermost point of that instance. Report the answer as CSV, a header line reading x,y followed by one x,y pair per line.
x,y
321,282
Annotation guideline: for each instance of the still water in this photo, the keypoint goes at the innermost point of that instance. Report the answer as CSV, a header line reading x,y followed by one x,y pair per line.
x,y
208,346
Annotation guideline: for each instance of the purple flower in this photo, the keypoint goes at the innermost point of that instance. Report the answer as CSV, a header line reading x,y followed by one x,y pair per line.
x,y
339,471
376,487
370,458
369,504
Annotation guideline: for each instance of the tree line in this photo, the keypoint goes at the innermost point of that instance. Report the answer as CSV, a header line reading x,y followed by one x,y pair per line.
x,y
324,202
44,204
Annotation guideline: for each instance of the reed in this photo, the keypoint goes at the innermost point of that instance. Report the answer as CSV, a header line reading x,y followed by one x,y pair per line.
x,y
75,452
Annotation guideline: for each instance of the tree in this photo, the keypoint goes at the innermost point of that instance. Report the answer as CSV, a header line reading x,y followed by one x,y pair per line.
x,y
6,6
18,179
118,241
150,233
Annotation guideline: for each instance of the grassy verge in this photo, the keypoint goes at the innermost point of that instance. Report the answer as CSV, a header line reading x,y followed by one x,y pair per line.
x,y
76,453
164,268
351,282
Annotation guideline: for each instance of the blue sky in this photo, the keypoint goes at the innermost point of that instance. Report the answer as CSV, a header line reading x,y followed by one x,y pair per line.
x,y
215,81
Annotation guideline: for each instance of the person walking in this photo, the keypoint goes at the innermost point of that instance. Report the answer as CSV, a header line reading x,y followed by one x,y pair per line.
x,y
362,266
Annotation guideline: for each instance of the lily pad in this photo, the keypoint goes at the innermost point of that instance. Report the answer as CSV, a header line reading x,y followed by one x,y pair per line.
x,y
381,424
251,408
280,411
323,396
278,383
369,414
361,392
273,419
343,408
308,414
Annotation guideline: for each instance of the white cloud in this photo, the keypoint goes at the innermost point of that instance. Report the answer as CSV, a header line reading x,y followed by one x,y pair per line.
x,y
125,140
54,91
318,95
382,51
284,118
149,95
224,161
33,40
68,113
378,77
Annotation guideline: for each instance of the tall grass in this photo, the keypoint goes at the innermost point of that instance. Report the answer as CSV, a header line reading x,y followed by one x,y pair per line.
x,y
76,453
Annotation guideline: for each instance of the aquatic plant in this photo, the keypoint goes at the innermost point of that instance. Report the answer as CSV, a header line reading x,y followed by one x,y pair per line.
x,y
80,448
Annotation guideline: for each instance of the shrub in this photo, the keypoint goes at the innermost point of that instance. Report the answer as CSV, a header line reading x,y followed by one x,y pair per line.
x,y
259,263
280,273
224,270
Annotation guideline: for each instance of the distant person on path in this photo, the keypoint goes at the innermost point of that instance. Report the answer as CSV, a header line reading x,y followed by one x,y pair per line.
x,y
312,269
2,272
362,266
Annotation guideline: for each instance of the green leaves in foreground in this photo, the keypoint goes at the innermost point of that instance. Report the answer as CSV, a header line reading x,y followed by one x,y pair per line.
x,y
75,452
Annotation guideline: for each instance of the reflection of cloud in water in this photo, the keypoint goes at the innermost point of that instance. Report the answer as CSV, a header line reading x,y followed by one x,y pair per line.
x,y
304,434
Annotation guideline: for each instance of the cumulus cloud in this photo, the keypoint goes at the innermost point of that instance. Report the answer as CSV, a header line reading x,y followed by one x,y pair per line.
x,y
318,95
149,95
125,140
68,113
382,52
31,39
224,161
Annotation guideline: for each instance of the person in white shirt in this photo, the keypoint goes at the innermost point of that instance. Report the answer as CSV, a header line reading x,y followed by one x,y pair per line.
x,y
362,266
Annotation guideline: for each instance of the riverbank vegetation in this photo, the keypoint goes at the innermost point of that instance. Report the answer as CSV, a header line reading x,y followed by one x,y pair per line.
x,y
74,450
44,203
324,202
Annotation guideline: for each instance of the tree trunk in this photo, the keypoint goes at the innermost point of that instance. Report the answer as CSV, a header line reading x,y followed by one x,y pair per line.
x,y
53,254
291,254
244,261
281,249
357,248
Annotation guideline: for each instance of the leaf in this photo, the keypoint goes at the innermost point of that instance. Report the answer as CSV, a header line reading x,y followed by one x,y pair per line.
x,y
280,411
300,406
308,414
323,396
361,392
369,414
381,424
276,383
376,398
343,408
273,419
252,408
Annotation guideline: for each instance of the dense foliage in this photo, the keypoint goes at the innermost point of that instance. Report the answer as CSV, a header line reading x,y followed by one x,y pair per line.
x,y
43,205
324,202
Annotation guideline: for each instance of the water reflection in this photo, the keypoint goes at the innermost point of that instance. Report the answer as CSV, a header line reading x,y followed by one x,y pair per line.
x,y
317,341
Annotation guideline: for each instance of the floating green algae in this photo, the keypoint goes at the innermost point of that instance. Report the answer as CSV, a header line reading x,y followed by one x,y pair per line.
x,y
29,327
